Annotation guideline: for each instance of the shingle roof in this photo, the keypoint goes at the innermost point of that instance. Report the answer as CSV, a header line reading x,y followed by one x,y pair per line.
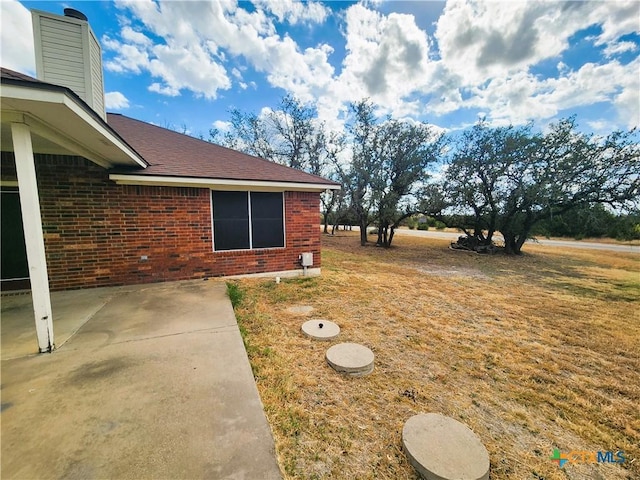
x,y
11,75
173,154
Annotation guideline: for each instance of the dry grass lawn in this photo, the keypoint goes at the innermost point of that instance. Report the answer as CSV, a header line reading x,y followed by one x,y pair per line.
x,y
532,353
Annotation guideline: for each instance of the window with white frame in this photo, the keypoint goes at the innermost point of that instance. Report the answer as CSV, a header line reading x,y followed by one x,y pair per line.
x,y
247,220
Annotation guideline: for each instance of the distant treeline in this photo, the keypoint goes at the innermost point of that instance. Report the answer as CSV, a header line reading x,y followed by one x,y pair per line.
x,y
592,222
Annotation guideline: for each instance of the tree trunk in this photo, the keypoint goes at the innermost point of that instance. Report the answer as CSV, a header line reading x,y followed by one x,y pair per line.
x,y
393,231
326,224
384,237
513,243
509,243
363,232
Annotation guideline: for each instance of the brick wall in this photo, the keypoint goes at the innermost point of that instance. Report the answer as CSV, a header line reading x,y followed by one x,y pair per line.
x,y
96,232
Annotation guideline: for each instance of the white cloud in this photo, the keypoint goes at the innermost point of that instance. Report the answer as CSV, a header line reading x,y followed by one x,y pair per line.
x,y
484,55
387,60
627,102
116,101
489,49
183,61
304,74
131,57
182,67
599,126
592,83
615,48
163,89
294,11
133,36
222,126
481,40
198,39
523,96
616,18
16,38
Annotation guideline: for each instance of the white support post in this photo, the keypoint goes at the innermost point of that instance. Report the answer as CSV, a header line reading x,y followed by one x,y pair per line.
x,y
34,238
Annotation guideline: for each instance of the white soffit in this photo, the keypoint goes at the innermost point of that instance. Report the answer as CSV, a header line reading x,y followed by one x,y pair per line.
x,y
58,118
219,183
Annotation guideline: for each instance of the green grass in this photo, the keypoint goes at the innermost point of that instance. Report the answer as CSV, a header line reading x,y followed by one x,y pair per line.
x,y
235,294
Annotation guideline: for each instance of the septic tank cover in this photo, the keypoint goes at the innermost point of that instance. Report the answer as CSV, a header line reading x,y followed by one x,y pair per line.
x,y
350,358
320,329
442,448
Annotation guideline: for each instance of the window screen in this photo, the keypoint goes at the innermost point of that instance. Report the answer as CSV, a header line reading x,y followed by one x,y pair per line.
x,y
234,212
266,220
230,220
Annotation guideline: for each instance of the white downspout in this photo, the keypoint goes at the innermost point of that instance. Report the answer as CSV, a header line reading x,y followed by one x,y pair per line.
x,y
33,236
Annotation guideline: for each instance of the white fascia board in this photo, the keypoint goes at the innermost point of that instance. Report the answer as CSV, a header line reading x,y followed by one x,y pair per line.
x,y
33,94
63,99
218,184
81,112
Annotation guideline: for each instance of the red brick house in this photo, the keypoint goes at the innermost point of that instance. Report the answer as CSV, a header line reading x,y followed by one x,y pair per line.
x,y
92,199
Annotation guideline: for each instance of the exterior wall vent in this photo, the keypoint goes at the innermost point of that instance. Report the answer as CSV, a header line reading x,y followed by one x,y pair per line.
x,y
68,54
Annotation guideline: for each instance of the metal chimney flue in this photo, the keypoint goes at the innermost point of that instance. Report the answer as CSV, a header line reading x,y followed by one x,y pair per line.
x,y
73,13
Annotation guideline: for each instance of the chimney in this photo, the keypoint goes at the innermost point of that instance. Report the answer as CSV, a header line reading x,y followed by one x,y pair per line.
x,y
68,54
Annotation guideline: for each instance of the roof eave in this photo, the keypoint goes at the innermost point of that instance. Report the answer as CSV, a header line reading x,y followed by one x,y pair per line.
x,y
58,114
220,183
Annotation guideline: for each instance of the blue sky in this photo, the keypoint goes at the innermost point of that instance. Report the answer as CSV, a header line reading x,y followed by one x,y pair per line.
x,y
184,64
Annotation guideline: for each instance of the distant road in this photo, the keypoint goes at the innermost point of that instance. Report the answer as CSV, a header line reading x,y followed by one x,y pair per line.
x,y
552,243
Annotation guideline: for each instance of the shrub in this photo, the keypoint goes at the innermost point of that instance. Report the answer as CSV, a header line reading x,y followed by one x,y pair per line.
x,y
412,223
439,225
625,229
423,226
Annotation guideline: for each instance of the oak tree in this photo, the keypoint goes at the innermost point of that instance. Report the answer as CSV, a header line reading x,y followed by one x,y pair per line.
x,y
508,179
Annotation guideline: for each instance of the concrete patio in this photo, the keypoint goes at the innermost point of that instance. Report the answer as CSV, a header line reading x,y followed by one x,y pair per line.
x,y
147,381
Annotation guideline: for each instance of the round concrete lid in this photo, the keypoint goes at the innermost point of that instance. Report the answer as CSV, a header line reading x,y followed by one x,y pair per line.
x,y
350,358
441,448
321,329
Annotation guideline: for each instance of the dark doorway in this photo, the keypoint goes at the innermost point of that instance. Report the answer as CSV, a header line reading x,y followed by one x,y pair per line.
x,y
14,269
